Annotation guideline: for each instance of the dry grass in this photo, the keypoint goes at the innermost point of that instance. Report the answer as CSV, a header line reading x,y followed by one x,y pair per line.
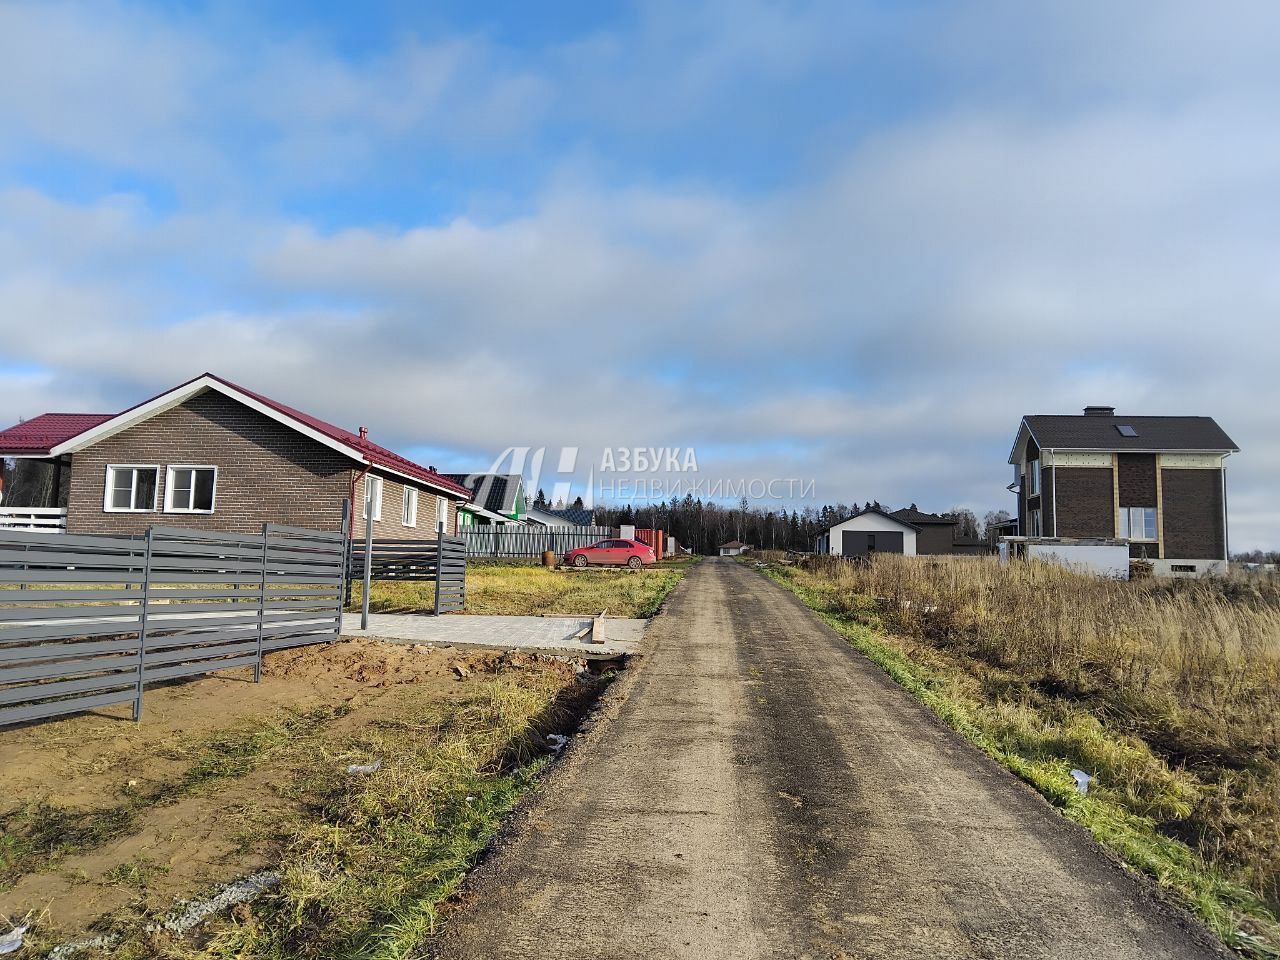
x,y
525,590
366,859
1168,691
366,874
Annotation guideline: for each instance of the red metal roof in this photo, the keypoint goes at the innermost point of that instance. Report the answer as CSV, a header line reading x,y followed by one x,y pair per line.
x,y
40,434
379,455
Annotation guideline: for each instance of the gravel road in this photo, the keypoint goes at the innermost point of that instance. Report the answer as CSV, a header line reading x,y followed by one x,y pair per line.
x,y
756,788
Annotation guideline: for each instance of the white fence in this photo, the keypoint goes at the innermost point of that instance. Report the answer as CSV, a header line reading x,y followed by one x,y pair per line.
x,y
34,519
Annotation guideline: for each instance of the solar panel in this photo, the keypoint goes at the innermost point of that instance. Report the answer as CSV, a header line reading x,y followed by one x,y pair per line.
x,y
1127,431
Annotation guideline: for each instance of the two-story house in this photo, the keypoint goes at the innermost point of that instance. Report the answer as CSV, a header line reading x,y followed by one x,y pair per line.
x,y
1159,483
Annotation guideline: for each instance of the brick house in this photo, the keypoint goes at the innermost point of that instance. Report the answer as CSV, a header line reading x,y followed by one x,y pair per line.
x,y
212,455
1159,483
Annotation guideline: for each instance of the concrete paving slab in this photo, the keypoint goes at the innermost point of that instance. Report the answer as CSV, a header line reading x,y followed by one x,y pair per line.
x,y
552,634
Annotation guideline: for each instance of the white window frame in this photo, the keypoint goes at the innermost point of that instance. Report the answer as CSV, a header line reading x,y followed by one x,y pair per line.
x,y
1035,521
442,514
372,491
1124,524
168,487
1033,478
133,488
409,507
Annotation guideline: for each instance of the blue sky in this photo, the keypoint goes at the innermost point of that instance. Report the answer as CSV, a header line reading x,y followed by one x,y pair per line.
x,y
848,241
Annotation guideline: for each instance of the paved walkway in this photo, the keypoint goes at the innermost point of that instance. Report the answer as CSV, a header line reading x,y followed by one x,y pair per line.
x,y
757,789
552,634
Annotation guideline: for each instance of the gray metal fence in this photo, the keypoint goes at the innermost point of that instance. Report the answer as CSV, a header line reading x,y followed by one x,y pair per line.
x,y
89,621
443,561
451,583
517,541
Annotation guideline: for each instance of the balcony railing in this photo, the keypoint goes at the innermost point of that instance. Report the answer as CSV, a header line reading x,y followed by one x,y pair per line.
x,y
34,519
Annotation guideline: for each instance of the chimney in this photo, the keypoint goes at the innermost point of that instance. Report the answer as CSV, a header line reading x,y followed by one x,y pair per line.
x,y
364,433
1099,411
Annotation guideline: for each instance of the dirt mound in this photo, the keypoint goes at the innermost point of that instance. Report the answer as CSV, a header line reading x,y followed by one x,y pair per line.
x,y
379,664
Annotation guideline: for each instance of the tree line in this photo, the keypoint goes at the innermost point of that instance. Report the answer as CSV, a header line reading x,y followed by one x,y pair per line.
x,y
703,526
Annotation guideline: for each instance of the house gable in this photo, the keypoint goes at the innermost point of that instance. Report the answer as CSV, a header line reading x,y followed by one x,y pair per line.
x,y
267,472
357,448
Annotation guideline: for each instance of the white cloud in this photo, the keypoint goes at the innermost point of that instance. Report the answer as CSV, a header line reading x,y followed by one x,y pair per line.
x,y
1097,224
168,97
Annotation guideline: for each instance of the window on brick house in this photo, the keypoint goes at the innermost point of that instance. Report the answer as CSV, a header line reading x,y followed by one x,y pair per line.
x,y
410,512
190,489
372,493
1033,478
1036,524
1138,523
131,488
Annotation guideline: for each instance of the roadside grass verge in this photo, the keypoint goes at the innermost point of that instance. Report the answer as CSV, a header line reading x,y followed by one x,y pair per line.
x,y
369,858
1187,775
525,590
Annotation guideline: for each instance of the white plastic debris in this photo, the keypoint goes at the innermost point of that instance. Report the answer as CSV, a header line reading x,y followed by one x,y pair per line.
x,y
194,912
11,942
67,950
1082,780
186,917
365,767
556,742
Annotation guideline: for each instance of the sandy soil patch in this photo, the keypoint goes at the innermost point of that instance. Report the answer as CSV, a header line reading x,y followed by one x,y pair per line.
x,y
102,816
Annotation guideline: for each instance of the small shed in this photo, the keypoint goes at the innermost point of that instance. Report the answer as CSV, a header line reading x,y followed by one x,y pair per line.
x,y
870,531
733,548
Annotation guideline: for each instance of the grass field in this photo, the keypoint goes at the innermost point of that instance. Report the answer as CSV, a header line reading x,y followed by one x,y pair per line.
x,y
527,590
1167,691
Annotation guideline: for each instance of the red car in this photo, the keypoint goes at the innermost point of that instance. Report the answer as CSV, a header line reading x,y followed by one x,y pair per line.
x,y
616,553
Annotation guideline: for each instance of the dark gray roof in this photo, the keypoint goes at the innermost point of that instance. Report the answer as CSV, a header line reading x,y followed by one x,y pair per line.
x,y
1079,432
493,491
883,513
578,516
912,515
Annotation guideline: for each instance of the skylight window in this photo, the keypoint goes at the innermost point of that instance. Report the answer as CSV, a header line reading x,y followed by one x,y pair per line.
x,y
1127,431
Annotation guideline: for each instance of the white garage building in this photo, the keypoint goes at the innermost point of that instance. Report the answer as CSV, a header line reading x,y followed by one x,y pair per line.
x,y
869,531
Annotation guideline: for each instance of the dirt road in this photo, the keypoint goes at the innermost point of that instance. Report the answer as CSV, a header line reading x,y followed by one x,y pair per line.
x,y
761,790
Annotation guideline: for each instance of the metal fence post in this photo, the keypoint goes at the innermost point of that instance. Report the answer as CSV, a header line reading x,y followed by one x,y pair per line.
x,y
345,592
439,569
262,606
368,559
142,626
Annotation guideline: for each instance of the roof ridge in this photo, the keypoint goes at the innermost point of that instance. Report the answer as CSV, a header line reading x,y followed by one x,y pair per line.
x,y
1119,416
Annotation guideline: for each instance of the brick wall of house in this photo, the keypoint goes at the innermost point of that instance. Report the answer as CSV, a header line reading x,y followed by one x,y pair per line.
x,y
1193,522
267,473
391,525
1086,506
1136,476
